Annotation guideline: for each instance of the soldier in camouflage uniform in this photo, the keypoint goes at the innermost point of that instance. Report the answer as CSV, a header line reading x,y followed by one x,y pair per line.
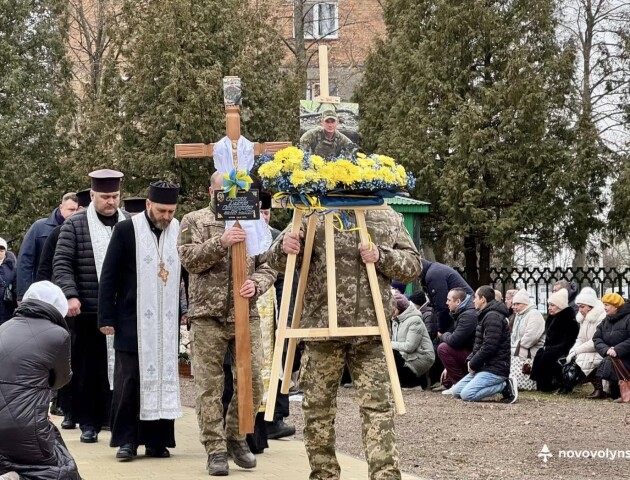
x,y
204,249
325,140
395,257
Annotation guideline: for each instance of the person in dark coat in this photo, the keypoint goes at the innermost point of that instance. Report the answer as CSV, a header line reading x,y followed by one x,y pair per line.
x,y
561,330
612,339
45,268
437,280
77,263
457,345
7,282
489,362
34,358
33,243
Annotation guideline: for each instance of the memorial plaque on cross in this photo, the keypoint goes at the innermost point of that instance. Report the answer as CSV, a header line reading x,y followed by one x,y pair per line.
x,y
232,98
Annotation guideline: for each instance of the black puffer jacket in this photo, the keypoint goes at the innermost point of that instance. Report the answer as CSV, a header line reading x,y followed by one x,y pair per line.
x,y
463,335
614,331
491,352
34,358
7,280
74,270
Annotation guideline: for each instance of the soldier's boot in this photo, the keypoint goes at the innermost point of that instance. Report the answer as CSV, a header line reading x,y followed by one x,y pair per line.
x,y
218,464
241,454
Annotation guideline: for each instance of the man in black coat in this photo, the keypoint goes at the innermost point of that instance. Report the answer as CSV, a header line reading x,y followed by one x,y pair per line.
x,y
437,280
35,238
153,235
457,345
489,362
77,263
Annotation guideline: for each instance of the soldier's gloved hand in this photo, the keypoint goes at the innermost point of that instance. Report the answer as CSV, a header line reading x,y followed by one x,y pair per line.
x,y
248,290
291,244
232,236
74,307
369,255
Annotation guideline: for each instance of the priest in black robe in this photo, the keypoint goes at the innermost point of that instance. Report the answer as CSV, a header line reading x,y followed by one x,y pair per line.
x,y
144,319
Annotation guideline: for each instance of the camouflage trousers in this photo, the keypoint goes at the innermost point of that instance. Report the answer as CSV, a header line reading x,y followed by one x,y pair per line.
x,y
320,376
210,341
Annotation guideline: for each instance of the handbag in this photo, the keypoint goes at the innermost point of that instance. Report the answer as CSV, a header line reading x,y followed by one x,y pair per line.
x,y
520,368
572,374
624,378
9,292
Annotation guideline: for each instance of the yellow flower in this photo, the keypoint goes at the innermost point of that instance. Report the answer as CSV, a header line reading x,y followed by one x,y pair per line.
x,y
290,157
366,162
317,161
361,155
270,169
386,175
386,161
298,177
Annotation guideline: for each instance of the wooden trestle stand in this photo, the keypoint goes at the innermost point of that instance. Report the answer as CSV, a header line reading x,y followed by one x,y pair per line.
x,y
333,330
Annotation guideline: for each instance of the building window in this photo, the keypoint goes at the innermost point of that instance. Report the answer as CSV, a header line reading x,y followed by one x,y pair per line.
x,y
321,20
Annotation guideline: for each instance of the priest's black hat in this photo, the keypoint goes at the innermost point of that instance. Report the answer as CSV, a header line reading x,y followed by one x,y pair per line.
x,y
163,192
265,200
135,204
105,180
84,198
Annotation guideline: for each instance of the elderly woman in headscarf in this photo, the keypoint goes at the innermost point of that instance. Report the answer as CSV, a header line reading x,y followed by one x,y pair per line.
x,y
561,330
590,314
413,348
7,282
612,339
528,336
34,360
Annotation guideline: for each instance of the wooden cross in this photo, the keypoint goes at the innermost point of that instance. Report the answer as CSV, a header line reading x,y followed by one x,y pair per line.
x,y
324,91
239,253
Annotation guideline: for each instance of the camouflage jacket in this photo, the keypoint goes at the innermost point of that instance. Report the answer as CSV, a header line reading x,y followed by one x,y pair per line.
x,y
399,260
315,141
210,267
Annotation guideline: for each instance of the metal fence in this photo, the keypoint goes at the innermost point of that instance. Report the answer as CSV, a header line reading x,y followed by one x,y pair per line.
x,y
539,281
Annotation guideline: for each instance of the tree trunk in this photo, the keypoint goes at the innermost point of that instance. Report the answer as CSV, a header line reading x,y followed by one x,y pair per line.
x,y
470,255
580,258
300,46
485,252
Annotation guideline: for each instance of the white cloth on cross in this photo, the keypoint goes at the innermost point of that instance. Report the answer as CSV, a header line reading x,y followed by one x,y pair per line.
x,y
158,320
257,234
100,235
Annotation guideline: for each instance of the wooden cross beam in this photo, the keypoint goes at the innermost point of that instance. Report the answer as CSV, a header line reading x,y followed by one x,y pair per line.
x,y
239,254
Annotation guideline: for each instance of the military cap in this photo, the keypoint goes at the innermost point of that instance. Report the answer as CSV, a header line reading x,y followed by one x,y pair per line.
x,y
329,113
105,180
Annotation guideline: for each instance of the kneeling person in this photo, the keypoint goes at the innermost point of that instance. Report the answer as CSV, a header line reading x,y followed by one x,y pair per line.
x,y
141,273
489,362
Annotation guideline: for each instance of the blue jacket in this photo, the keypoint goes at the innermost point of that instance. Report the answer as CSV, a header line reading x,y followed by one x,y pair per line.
x,y
437,280
31,250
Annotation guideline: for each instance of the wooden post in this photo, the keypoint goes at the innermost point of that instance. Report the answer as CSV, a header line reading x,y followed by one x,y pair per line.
x,y
324,89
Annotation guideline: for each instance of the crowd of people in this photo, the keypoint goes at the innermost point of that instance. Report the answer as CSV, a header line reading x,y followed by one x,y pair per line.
x,y
99,292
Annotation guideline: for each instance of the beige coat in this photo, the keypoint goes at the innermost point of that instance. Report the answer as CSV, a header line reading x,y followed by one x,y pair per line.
x,y
528,332
586,356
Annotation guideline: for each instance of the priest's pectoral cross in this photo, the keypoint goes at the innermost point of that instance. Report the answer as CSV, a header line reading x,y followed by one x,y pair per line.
x,y
232,94
163,273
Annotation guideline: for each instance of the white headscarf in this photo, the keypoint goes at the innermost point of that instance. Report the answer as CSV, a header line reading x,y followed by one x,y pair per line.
x,y
49,293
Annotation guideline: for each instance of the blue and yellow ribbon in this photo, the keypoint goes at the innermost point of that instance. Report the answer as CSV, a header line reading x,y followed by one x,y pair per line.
x,y
312,205
236,180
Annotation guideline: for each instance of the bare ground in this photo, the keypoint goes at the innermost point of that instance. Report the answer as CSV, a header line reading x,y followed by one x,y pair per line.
x,y
444,438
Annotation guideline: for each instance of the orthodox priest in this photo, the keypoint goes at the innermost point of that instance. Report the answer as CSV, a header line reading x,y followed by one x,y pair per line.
x,y
138,303
79,255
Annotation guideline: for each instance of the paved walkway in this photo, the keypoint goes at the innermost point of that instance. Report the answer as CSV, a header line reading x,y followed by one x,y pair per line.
x,y
284,460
